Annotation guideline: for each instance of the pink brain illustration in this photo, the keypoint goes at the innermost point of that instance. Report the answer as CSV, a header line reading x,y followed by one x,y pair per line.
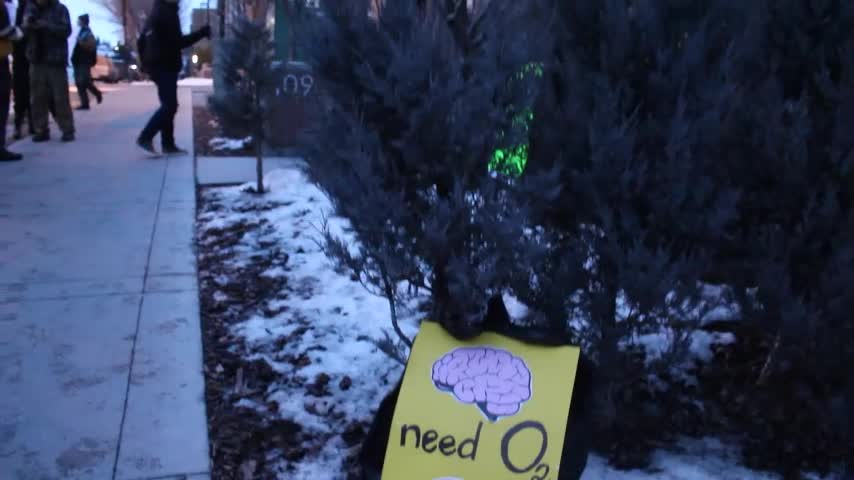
x,y
491,378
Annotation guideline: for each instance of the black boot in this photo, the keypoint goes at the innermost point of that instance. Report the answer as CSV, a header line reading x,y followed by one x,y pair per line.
x,y
7,156
146,145
174,150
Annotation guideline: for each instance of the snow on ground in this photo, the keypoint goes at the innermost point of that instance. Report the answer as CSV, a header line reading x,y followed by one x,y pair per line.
x,y
699,460
185,82
195,82
319,342
226,144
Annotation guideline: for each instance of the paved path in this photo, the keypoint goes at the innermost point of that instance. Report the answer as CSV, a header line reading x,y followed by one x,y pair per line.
x,y
100,347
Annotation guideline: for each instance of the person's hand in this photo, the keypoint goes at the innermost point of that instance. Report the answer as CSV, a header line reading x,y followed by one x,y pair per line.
x,y
206,31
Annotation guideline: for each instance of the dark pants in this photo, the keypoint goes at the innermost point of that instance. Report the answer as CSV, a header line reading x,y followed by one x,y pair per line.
x,y
83,79
163,120
49,87
5,91
21,85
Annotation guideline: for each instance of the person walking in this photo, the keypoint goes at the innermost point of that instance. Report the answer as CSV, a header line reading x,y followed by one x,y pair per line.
x,y
83,58
21,77
160,47
9,33
48,26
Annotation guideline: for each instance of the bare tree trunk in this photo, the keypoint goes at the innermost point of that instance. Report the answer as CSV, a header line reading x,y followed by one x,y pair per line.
x,y
376,8
458,19
392,305
769,360
259,166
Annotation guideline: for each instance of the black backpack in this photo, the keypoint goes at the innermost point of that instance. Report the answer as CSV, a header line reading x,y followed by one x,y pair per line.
x,y
145,47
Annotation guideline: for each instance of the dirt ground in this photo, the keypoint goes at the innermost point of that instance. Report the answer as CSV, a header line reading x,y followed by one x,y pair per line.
x,y
240,437
248,439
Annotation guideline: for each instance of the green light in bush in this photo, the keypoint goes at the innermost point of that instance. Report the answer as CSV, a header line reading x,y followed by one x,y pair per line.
x,y
512,160
534,67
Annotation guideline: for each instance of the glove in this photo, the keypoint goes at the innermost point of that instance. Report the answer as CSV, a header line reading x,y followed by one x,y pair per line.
x,y
206,31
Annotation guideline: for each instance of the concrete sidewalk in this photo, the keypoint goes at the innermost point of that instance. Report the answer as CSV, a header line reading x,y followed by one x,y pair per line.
x,y
100,345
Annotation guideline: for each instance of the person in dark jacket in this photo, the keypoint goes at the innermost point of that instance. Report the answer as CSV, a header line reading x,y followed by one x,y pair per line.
x,y
9,33
162,60
48,26
83,58
21,78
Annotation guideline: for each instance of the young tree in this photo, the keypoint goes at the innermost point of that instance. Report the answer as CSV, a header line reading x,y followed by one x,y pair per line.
x,y
249,78
398,149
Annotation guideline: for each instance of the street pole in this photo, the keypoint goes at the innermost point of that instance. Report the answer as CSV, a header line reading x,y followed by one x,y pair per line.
x,y
125,21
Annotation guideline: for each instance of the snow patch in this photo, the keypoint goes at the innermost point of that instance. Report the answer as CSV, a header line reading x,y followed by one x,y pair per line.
x,y
516,309
696,460
229,144
195,82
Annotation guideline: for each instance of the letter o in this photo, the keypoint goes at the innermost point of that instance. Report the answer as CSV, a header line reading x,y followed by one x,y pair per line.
x,y
505,445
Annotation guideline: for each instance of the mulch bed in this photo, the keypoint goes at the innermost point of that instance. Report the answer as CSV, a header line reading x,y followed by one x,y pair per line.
x,y
206,128
248,438
241,439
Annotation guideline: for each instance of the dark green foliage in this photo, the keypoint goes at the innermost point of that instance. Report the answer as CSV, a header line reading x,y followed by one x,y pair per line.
x,y
248,78
705,141
681,154
794,240
624,103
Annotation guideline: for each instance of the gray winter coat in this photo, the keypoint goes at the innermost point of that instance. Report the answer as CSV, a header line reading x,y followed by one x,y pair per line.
x,y
47,29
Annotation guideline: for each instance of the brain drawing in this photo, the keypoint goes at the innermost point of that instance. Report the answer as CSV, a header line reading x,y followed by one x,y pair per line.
x,y
493,379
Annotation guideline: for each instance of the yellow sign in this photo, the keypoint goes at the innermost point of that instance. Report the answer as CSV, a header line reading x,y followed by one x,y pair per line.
x,y
492,408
